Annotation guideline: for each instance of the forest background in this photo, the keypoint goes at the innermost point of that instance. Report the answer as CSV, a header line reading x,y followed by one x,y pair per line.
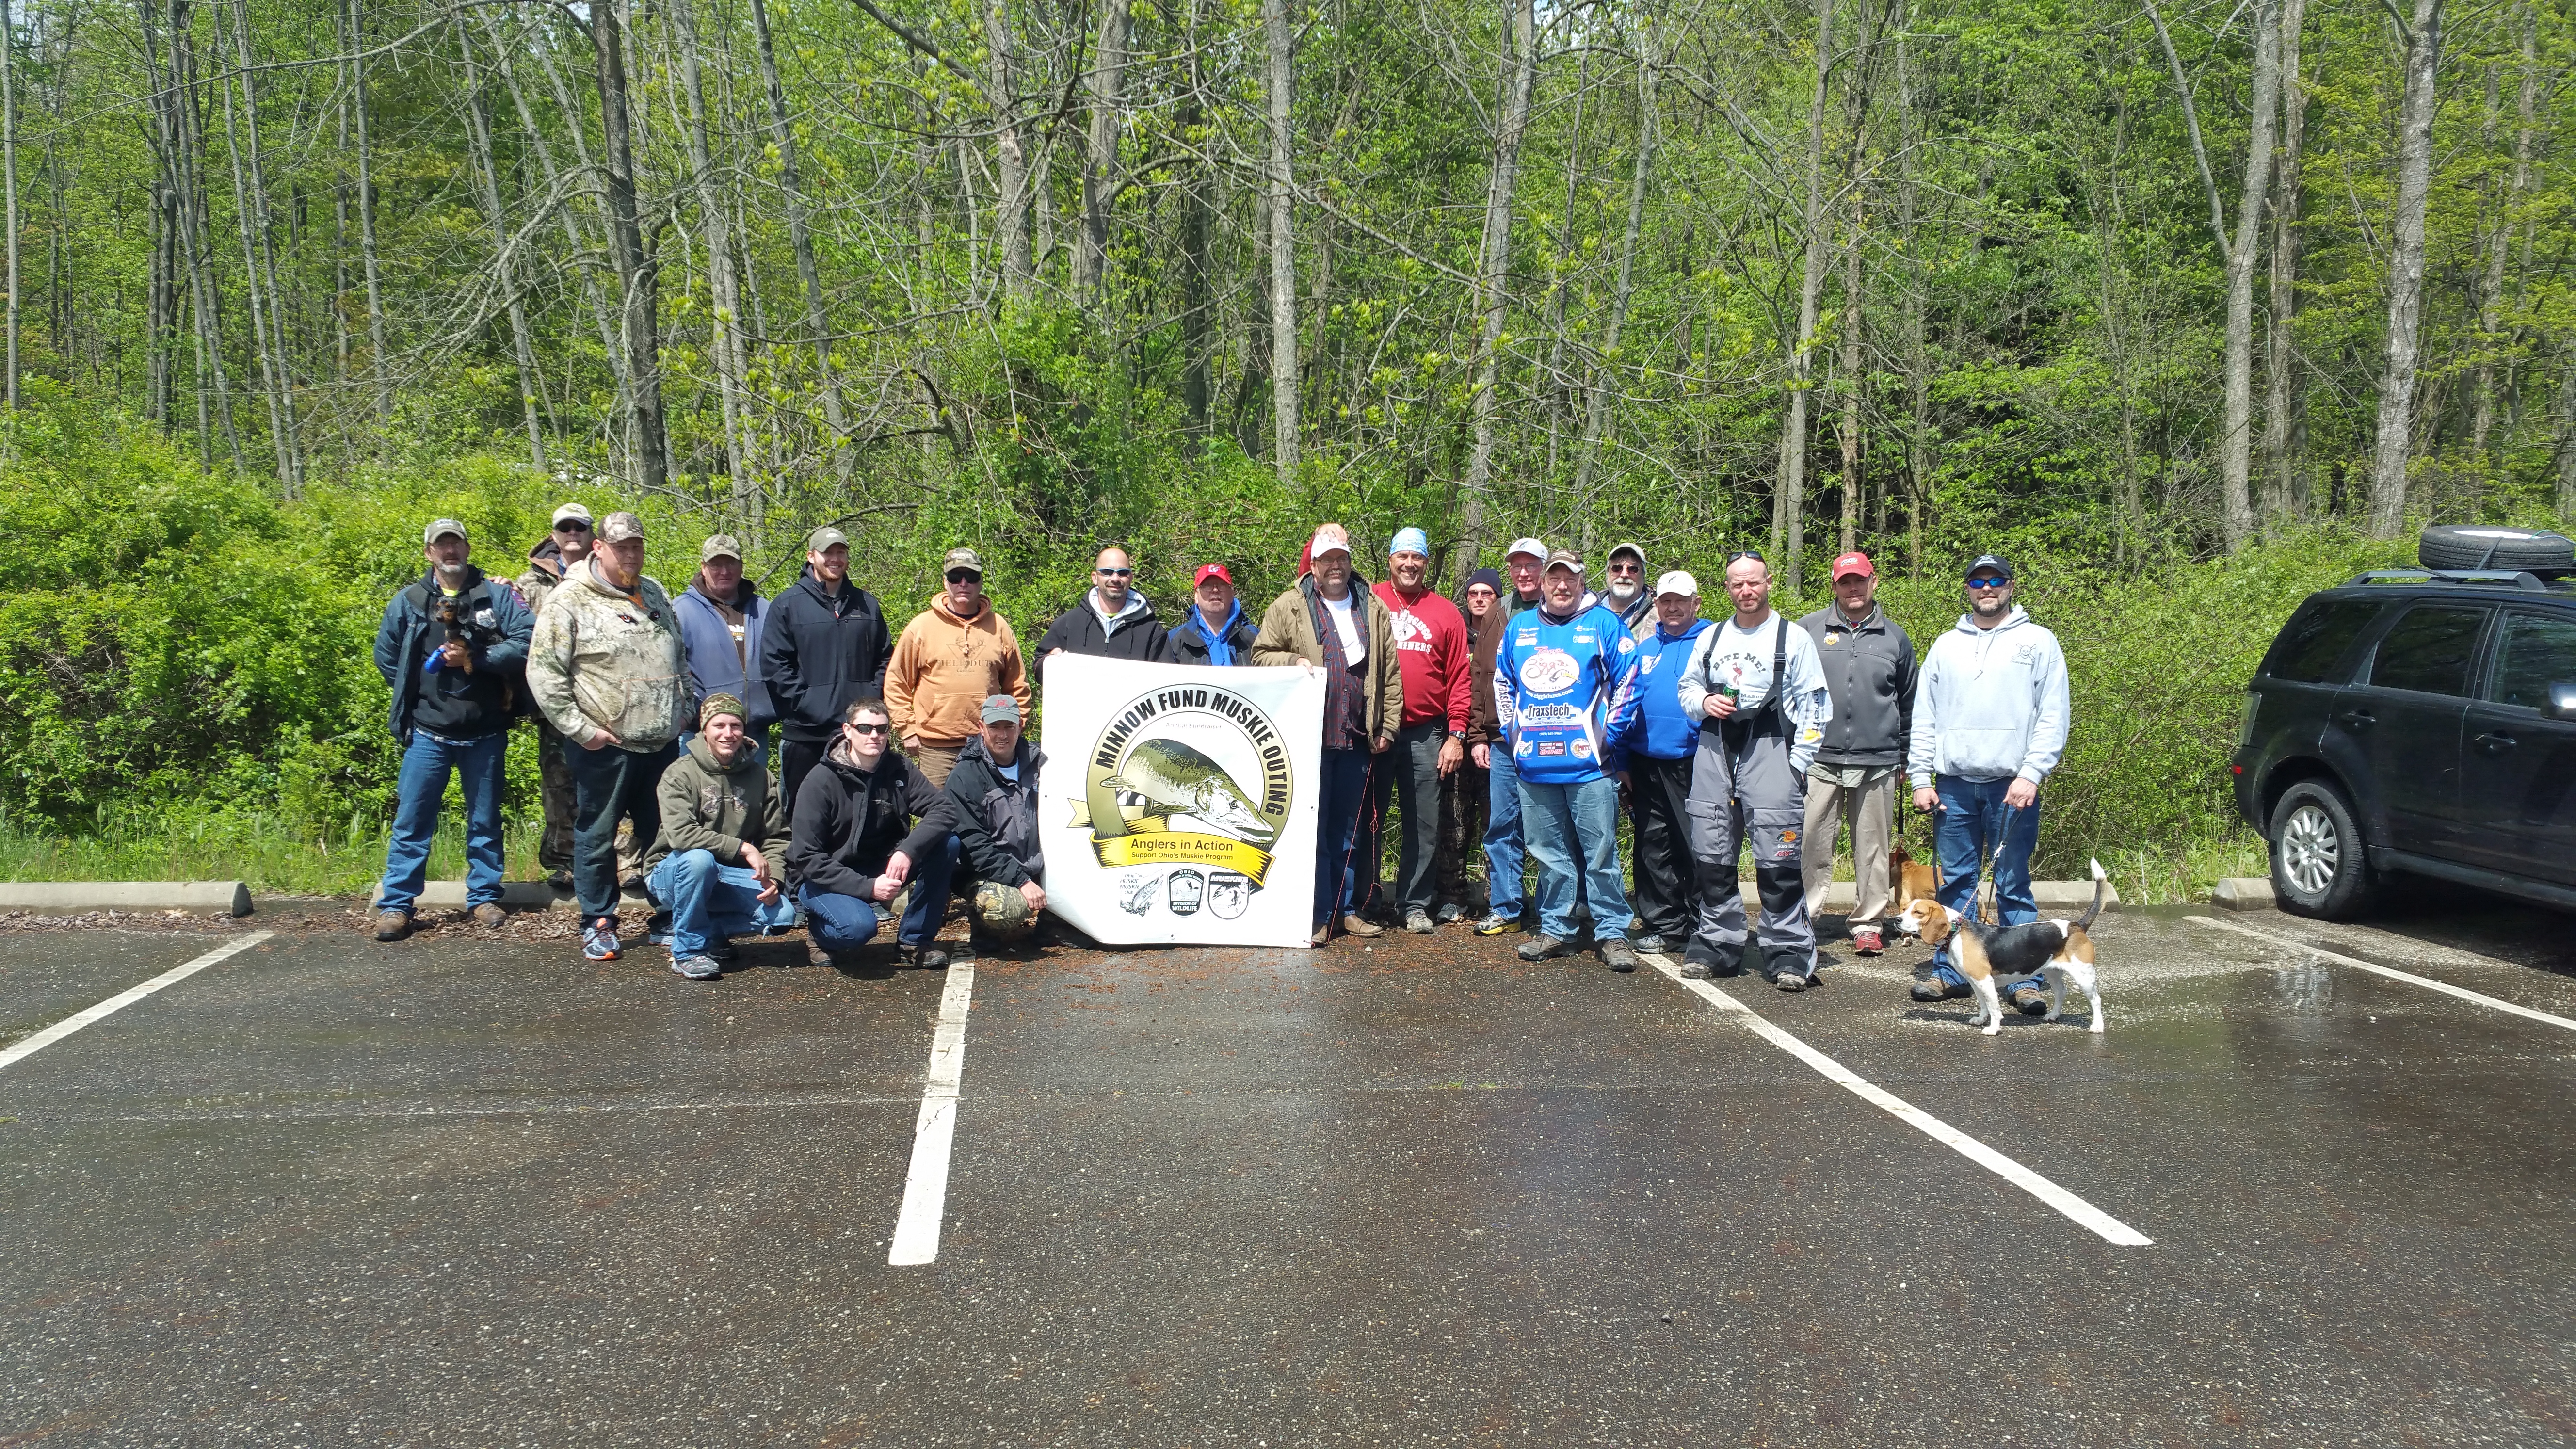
x,y
2189,306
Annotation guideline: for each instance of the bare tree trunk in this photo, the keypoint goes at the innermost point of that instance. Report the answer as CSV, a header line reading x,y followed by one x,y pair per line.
x,y
800,238
2284,406
189,170
2423,38
161,401
1789,503
2566,430
1011,161
268,326
505,266
725,326
1596,406
1494,260
9,178
639,306
1107,87
2493,337
377,357
1552,377
1280,40
1918,362
1197,221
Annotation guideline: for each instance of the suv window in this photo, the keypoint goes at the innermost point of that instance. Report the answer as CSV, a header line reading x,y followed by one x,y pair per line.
x,y
2428,650
2315,639
2539,651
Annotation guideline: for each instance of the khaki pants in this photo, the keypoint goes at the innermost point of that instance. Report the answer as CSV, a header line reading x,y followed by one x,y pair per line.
x,y
934,761
1864,796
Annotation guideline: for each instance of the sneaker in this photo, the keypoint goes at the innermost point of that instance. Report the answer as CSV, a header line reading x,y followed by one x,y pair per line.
x,y
1419,923
697,968
927,958
1939,990
489,914
1649,942
1866,941
392,925
1359,925
1696,971
1793,981
1541,948
2031,1000
1497,924
1450,913
1618,955
599,942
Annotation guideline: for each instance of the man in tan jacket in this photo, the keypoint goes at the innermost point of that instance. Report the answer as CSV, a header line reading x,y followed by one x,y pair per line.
x,y
1330,623
951,658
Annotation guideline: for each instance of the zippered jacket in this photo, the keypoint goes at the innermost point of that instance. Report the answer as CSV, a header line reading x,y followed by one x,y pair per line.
x,y
1870,668
602,658
1134,634
1657,728
714,667
1191,641
997,818
1292,628
475,702
1991,703
819,649
1562,689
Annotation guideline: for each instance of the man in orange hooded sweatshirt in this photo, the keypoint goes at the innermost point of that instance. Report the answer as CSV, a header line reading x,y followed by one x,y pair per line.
x,y
951,657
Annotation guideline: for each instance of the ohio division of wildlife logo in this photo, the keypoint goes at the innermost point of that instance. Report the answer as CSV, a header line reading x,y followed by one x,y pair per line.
x,y
1188,775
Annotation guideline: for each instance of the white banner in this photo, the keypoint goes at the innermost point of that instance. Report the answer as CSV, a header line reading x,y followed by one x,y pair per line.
x,y
1178,803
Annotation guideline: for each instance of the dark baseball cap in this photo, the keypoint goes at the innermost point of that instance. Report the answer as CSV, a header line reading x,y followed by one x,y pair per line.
x,y
1989,563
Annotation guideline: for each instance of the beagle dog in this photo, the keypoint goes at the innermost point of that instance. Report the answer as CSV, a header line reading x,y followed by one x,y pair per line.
x,y
2057,950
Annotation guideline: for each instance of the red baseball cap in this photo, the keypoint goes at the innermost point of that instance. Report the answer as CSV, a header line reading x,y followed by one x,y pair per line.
x,y
1855,563
1212,571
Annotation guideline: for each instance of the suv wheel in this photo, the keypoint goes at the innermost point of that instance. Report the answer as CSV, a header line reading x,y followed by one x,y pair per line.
x,y
2317,864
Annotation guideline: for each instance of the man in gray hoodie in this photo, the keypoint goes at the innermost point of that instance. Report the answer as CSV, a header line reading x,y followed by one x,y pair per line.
x,y
1990,721
1869,665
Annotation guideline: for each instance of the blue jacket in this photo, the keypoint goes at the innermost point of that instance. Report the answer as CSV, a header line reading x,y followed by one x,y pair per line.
x,y
498,639
1562,692
1658,729
708,642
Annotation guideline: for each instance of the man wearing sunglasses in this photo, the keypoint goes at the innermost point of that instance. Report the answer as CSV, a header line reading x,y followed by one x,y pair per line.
x,y
1990,721
952,657
561,549
868,826
1624,590
1113,620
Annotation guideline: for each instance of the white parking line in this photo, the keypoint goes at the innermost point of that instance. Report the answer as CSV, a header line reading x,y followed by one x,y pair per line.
x,y
123,999
925,1189
2085,1214
2391,972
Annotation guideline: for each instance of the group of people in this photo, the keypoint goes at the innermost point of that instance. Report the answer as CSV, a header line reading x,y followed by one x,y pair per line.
x,y
1521,720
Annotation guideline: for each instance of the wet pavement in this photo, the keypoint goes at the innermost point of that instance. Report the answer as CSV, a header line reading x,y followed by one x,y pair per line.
x,y
471,1189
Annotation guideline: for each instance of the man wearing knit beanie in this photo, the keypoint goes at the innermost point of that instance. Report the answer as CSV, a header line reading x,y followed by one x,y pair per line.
x,y
719,863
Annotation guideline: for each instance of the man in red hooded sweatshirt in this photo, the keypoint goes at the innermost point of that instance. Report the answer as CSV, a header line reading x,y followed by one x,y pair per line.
x,y
1430,737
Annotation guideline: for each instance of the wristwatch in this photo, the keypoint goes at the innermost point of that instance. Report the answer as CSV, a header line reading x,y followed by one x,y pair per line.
x,y
1459,735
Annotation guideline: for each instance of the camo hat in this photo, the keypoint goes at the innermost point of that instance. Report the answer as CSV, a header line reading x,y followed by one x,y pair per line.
x,y
619,527
721,704
441,529
1000,912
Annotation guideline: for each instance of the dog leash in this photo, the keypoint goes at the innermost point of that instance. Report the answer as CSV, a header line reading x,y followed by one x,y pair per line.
x,y
1992,912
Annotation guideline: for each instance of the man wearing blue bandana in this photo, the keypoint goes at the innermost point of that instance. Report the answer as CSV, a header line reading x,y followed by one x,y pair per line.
x,y
1215,633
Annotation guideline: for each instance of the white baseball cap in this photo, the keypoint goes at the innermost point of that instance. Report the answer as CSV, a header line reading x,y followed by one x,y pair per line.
x,y
1677,582
1530,546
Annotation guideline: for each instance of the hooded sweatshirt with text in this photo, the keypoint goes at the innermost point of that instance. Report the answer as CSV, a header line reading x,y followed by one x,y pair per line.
x,y
1991,703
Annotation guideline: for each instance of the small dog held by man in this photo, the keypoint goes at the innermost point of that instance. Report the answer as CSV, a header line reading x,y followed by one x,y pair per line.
x,y
2059,950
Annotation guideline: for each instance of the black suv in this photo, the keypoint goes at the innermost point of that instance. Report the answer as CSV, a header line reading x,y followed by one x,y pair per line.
x,y
2422,720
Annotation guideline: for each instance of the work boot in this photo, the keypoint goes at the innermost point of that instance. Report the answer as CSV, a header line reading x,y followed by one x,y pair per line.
x,y
927,958
1358,925
1618,955
1419,923
2031,1001
1451,911
1939,990
392,925
1866,941
560,880
1322,933
1497,924
489,914
1793,981
1541,948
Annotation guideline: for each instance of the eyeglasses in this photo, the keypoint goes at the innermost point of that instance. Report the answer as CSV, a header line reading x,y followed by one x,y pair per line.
x,y
1114,573
572,525
874,729
1988,581
959,576
1623,568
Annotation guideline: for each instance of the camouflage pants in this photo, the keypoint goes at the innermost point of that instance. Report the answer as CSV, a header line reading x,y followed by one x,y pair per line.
x,y
1462,834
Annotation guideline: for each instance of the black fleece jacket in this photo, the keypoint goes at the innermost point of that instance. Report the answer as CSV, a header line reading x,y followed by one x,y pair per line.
x,y
997,819
818,650
849,821
1139,634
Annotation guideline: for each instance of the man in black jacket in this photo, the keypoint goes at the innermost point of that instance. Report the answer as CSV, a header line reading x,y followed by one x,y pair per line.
x,y
1215,632
825,645
994,790
868,825
1113,620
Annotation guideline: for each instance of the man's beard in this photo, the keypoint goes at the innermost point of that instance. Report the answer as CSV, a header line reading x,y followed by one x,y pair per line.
x,y
1625,589
451,576
1989,608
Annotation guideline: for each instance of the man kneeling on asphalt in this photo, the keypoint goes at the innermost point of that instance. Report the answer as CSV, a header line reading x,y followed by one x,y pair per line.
x,y
994,790
868,824
716,864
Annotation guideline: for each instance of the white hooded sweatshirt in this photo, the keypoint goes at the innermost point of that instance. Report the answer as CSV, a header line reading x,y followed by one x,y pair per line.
x,y
1991,703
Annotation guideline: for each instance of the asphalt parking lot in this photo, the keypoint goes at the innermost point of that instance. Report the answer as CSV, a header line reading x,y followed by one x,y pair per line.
x,y
477,1191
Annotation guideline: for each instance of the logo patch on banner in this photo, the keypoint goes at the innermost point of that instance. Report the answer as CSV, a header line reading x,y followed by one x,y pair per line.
x,y
1188,775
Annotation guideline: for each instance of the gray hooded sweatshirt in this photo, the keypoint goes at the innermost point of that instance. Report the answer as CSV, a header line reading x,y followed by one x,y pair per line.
x,y
1991,703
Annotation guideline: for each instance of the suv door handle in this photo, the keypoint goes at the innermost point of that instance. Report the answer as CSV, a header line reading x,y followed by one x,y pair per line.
x,y
2360,719
2495,743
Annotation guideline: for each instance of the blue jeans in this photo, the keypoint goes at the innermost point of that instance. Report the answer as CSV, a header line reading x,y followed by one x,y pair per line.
x,y
417,793
1503,834
1967,830
608,783
710,901
841,923
1574,836
1338,800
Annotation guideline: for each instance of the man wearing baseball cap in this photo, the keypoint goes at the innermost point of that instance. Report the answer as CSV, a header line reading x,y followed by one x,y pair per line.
x,y
826,646
1215,634
1990,721
568,544
1869,667
1661,743
995,791
1430,740
721,615
451,647
1504,893
719,862
1330,624
952,657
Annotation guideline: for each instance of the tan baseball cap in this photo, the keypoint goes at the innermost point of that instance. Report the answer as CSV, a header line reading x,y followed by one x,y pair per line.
x,y
961,558
621,526
719,546
824,538
441,528
572,511
1565,558
1328,538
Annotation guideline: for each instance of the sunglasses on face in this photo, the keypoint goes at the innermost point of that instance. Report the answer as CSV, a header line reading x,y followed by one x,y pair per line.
x,y
1623,568
874,729
1114,573
572,527
960,576
1988,581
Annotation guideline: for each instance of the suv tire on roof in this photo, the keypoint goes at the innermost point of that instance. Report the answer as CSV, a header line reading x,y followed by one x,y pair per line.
x,y
2318,868
2492,546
